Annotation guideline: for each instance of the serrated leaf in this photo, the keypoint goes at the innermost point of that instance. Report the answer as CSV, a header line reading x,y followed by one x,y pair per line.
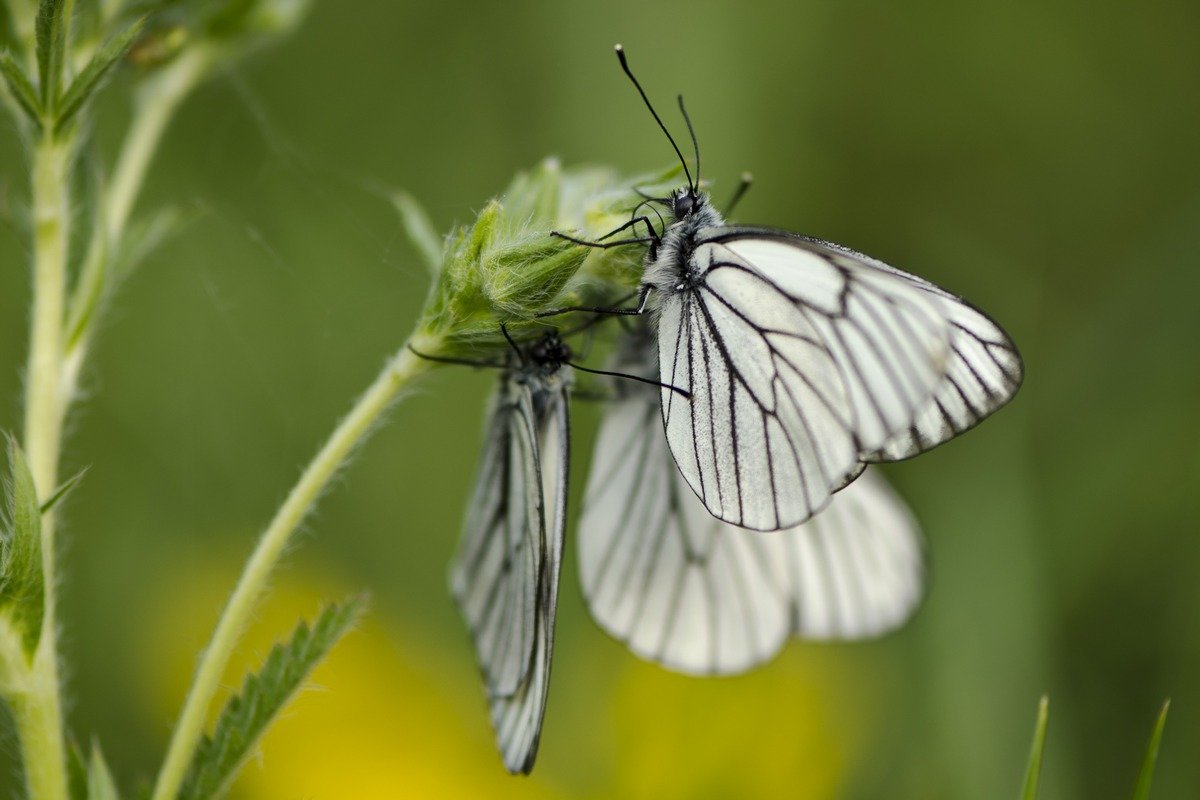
x,y
1141,790
63,490
51,36
1034,771
22,593
264,694
420,230
89,79
21,88
100,781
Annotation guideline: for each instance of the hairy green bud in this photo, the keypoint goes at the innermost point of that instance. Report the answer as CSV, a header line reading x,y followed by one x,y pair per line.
x,y
507,268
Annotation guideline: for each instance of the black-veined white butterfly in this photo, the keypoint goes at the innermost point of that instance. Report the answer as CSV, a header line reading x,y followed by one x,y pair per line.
x,y
505,574
701,596
506,571
804,360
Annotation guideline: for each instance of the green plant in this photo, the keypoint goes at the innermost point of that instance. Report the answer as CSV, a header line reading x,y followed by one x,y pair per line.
x,y
56,59
1141,789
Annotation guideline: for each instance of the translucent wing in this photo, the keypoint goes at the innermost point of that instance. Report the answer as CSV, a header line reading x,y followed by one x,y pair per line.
x,y
505,574
800,358
701,596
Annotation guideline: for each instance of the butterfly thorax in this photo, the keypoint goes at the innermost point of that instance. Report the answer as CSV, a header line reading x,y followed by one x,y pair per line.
x,y
540,366
669,267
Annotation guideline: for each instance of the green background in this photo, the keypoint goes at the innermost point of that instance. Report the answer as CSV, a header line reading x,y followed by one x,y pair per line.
x,y
1038,158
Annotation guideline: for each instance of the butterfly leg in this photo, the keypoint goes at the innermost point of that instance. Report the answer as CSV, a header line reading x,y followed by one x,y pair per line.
x,y
448,360
643,297
605,245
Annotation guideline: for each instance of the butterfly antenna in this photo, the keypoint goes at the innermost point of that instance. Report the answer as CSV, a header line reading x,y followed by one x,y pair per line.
x,y
512,344
682,392
625,66
692,133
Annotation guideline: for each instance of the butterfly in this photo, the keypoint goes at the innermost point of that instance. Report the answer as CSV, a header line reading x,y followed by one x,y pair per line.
x,y
505,573
702,596
789,363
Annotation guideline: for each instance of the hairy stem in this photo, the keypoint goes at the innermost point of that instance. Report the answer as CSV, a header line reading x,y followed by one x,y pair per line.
x,y
156,103
39,712
352,430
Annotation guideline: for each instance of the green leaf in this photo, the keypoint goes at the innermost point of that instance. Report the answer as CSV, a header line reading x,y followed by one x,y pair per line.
x,y
88,81
420,230
21,88
246,716
100,782
50,31
1141,790
64,490
77,771
1034,771
22,594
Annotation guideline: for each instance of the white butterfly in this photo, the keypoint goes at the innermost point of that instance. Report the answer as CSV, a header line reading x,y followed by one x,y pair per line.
x,y
505,574
804,360
701,596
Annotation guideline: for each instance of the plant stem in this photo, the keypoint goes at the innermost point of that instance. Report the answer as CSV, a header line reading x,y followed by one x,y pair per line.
x,y
352,430
39,713
156,103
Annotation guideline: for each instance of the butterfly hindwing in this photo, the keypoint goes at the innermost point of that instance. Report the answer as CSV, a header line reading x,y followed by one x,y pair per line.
x,y
701,596
505,575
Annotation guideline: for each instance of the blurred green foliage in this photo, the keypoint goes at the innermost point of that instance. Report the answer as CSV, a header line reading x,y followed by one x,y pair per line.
x,y
1038,158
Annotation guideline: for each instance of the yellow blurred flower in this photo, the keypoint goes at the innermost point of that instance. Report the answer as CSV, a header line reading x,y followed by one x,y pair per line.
x,y
386,716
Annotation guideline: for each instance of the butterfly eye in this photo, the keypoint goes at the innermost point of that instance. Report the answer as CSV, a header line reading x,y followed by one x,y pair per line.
x,y
684,204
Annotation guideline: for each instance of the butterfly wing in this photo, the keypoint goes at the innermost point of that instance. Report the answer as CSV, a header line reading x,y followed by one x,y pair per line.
x,y
799,359
505,574
701,596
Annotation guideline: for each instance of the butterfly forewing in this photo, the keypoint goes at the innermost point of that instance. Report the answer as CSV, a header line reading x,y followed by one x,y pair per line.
x,y
505,575
701,596
799,360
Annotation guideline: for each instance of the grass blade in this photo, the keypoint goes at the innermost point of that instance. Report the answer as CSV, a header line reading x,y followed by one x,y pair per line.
x,y
246,716
1141,790
1034,770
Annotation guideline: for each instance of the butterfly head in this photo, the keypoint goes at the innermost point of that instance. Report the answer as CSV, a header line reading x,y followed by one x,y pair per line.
x,y
685,202
550,352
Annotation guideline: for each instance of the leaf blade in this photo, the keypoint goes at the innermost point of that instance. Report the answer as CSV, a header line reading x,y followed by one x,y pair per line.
x,y
21,88
50,42
89,79
264,694
22,589
1034,771
101,785
1141,790
421,233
